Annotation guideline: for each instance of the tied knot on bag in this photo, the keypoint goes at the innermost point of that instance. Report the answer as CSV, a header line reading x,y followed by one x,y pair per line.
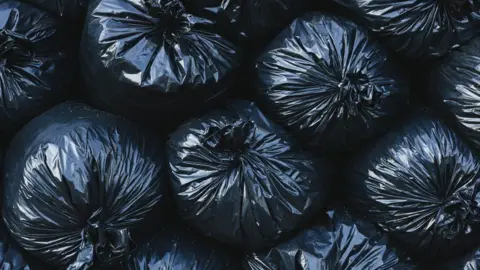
x,y
231,141
356,89
100,244
458,215
235,137
170,19
13,49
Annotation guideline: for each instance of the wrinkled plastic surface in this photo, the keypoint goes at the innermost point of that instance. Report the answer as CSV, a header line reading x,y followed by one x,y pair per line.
x,y
240,179
250,23
69,9
142,59
419,28
178,247
35,62
341,244
77,181
454,81
329,83
420,184
11,257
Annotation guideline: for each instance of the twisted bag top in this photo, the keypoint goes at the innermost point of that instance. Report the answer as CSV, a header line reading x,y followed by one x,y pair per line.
x,y
241,179
77,180
35,62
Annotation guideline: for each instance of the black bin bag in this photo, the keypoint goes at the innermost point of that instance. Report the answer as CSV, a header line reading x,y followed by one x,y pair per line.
x,y
342,243
35,62
325,80
78,181
73,10
250,23
146,58
454,85
12,257
419,28
178,247
239,178
420,184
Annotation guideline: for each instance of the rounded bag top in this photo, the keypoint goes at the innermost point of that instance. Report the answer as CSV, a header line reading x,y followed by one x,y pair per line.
x,y
250,23
35,62
329,83
342,243
241,179
77,181
454,85
420,183
419,28
146,59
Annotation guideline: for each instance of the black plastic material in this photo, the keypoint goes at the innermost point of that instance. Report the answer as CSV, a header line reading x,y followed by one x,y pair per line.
x,y
150,58
77,181
343,243
250,23
470,261
11,256
241,179
178,247
35,62
420,183
454,82
67,9
329,83
419,28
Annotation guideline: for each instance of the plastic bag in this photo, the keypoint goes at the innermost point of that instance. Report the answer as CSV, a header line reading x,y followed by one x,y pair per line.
x,y
240,179
142,59
249,23
341,244
69,9
419,28
77,181
12,257
178,247
329,84
35,61
420,183
454,85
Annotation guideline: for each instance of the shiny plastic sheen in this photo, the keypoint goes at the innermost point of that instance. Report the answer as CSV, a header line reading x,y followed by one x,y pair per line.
x,y
420,183
419,28
254,22
454,81
35,62
11,257
330,84
178,247
148,58
342,244
77,180
240,179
